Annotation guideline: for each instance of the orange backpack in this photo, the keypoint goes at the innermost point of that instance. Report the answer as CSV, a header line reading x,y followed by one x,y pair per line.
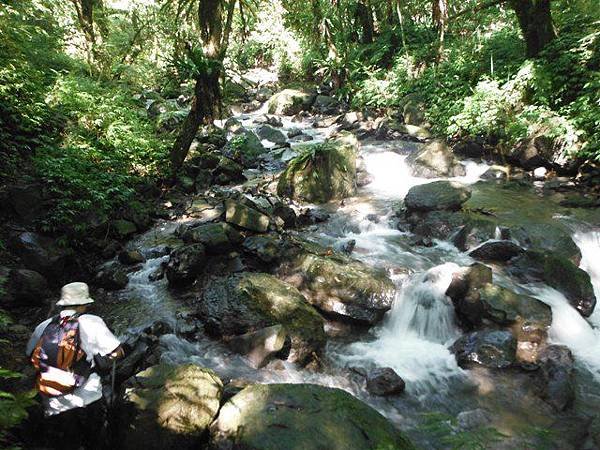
x,y
60,363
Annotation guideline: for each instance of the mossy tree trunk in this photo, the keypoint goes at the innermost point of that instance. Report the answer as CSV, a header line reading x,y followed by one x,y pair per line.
x,y
535,20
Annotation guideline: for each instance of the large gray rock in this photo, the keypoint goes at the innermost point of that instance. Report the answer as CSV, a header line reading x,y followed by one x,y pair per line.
x,y
259,345
248,302
322,172
185,264
433,160
24,287
289,102
217,238
337,284
556,364
244,148
496,250
559,273
302,416
271,134
169,407
493,349
245,217
38,253
439,195
112,277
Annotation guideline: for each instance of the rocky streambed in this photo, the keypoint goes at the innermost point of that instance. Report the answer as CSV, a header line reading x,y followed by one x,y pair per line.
x,y
330,280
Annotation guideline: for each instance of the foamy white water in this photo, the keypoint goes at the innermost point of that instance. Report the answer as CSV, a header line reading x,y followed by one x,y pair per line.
x,y
589,245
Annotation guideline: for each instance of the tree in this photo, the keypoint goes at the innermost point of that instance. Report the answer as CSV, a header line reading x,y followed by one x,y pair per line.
x,y
205,108
535,20
440,20
91,19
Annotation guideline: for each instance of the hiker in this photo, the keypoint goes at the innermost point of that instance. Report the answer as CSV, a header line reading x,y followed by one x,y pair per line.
x,y
62,350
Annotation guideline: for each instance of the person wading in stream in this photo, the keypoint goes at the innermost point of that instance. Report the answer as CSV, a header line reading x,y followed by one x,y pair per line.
x,y
63,350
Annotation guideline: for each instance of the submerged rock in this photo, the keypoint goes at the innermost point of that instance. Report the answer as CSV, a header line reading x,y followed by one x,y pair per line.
x,y
289,102
556,364
337,284
433,160
169,407
493,349
439,195
384,381
302,416
322,172
561,274
248,302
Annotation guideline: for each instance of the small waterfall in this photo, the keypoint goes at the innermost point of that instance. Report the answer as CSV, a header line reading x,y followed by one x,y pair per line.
x,y
589,245
571,329
413,340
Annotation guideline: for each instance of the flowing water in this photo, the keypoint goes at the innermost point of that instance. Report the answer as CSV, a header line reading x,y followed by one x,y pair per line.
x,y
414,337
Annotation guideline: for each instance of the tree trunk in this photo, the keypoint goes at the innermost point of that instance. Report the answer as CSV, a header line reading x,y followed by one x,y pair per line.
x,y
440,20
535,20
364,17
94,30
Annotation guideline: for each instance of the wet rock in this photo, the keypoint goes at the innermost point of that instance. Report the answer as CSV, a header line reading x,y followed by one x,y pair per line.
x,y
263,94
139,214
112,277
337,284
534,152
312,216
469,149
123,229
346,247
130,257
328,174
287,214
473,419
267,249
259,345
393,129
325,103
268,417
244,148
158,274
38,253
245,217
384,381
169,407
468,279
23,287
433,160
271,134
233,125
247,302
439,195
556,364
496,173
303,138
294,132
289,102
497,250
559,273
185,264
493,349
216,237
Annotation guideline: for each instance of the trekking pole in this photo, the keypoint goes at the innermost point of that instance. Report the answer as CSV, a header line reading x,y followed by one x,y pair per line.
x,y
112,382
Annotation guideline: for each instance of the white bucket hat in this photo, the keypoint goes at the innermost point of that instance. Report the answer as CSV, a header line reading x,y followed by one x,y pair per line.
x,y
74,294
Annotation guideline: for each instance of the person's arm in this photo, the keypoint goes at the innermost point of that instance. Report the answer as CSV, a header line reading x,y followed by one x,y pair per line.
x,y
35,337
96,338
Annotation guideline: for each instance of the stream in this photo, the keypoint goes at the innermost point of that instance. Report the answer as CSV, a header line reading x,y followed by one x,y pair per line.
x,y
414,336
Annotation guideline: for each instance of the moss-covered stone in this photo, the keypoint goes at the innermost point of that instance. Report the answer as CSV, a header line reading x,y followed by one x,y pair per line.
x,y
434,159
247,302
302,416
338,284
170,407
439,195
245,217
322,172
289,102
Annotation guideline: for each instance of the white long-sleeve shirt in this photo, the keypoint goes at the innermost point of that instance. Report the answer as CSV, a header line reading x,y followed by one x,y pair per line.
x,y
95,338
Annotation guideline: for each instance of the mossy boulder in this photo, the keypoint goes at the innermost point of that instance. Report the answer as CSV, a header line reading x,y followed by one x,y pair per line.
x,y
289,102
439,195
433,160
169,407
247,302
494,349
244,147
185,264
302,416
245,217
217,238
337,284
322,172
561,274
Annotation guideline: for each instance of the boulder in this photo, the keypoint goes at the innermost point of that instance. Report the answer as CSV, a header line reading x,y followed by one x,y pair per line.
x,y
533,152
129,257
185,264
244,148
561,274
112,277
217,238
25,287
122,228
302,416
38,253
247,302
384,381
469,149
556,364
289,102
433,160
322,172
259,345
392,129
494,349
412,107
271,134
496,250
245,217
325,103
169,407
337,284
268,249
439,195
